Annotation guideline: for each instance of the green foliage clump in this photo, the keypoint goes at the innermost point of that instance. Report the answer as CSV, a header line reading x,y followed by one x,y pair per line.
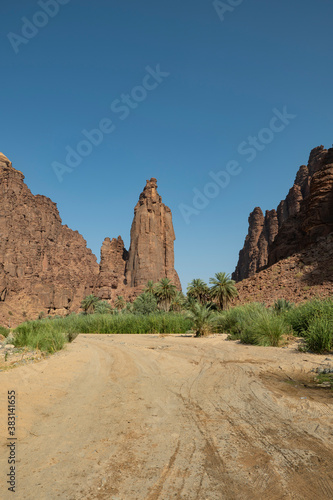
x,y
266,329
145,303
165,291
319,335
201,317
178,303
253,324
74,324
198,290
120,303
4,331
89,304
103,307
301,316
282,305
233,321
223,289
39,334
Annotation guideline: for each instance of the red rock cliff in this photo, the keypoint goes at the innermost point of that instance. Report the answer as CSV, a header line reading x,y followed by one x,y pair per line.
x,y
305,215
151,253
44,265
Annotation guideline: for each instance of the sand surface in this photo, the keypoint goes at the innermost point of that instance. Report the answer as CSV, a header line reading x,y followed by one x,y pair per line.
x,y
125,417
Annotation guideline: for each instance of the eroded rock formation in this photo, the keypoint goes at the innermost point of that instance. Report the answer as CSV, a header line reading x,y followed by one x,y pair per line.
x,y
305,215
44,265
151,254
254,255
112,268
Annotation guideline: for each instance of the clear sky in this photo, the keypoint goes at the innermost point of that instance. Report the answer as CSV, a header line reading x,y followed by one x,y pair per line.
x,y
179,90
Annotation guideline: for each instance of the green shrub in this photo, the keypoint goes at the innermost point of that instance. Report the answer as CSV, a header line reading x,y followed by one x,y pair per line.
x,y
146,303
301,316
266,329
4,331
234,321
319,335
47,340
103,307
201,317
72,325
253,324
282,305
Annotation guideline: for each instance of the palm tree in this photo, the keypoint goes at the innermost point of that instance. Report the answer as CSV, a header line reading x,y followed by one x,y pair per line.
x,y
103,307
149,288
198,290
165,292
145,303
223,289
202,317
120,303
178,302
89,303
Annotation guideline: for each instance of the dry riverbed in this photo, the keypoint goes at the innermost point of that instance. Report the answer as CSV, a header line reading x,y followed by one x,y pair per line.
x,y
146,417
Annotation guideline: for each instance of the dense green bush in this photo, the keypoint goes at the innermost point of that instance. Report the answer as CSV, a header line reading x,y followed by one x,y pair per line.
x,y
234,320
266,329
301,316
103,307
46,338
4,331
146,303
253,324
32,332
201,317
282,305
319,335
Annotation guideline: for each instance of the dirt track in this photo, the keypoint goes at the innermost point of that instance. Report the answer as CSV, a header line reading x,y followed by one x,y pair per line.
x,y
145,417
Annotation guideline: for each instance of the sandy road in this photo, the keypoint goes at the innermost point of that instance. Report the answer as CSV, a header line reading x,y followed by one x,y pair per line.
x,y
145,417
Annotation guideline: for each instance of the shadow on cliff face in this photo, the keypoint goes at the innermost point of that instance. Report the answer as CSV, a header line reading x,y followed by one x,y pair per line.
x,y
318,263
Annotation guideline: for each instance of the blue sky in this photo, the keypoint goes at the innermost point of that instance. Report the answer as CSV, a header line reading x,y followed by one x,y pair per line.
x,y
226,73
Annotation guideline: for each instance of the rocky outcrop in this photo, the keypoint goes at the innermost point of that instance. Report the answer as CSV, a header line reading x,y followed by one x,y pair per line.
x,y
314,217
262,231
303,276
112,268
300,219
151,253
44,265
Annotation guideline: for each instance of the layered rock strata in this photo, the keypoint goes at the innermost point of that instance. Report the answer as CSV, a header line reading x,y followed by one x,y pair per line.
x,y
44,265
112,268
305,215
151,254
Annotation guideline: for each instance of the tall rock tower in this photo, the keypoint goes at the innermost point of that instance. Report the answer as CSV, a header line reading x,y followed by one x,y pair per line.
x,y
151,254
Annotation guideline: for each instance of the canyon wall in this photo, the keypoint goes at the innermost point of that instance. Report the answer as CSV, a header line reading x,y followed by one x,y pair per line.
x,y
46,267
305,215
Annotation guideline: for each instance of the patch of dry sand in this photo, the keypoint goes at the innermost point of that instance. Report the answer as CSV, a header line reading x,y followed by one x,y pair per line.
x,y
128,417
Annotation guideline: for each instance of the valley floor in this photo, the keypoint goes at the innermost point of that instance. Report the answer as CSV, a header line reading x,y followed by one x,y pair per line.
x,y
147,417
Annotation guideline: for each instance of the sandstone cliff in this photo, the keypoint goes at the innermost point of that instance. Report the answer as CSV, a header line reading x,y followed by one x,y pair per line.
x,y
305,215
151,253
303,276
112,268
44,266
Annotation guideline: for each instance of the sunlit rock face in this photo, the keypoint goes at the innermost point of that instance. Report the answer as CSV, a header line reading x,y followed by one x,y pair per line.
x,y
305,215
